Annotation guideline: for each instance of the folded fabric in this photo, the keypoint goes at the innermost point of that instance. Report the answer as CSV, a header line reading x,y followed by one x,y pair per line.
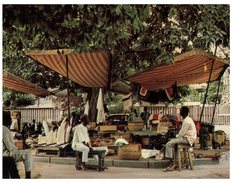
x,y
147,153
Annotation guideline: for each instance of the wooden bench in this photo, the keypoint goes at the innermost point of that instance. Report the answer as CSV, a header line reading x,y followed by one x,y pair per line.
x,y
50,150
9,170
101,159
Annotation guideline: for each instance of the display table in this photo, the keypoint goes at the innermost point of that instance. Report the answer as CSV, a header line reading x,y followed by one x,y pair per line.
x,y
148,139
148,133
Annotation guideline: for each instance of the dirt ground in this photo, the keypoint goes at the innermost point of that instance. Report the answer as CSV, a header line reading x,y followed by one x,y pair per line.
x,y
44,170
62,171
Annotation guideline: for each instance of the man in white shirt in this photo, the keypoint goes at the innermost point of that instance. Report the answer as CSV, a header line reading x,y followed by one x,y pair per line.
x,y
81,140
186,135
10,150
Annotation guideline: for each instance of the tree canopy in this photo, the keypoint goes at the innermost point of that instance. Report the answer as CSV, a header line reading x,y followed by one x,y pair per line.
x,y
138,36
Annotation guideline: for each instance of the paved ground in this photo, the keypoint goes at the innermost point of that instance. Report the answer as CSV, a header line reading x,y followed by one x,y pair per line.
x,y
63,171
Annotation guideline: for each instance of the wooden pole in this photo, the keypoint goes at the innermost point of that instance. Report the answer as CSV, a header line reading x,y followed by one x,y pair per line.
x,y
217,94
208,84
68,93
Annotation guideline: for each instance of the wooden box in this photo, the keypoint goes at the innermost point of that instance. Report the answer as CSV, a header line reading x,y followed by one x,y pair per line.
x,y
161,128
130,152
108,128
135,126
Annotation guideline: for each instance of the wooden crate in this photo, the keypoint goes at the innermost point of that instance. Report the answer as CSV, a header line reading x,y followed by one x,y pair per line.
x,y
135,126
108,128
162,128
130,152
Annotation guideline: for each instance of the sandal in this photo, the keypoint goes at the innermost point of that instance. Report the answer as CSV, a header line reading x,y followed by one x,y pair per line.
x,y
169,168
78,167
83,167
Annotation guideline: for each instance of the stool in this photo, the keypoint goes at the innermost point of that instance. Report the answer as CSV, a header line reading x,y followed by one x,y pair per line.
x,y
187,156
99,153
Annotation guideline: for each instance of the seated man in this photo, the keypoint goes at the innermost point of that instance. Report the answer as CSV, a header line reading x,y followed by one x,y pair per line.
x,y
186,135
10,150
81,141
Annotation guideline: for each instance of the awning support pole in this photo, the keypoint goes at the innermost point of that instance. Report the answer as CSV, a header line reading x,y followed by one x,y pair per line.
x,y
68,93
208,84
217,94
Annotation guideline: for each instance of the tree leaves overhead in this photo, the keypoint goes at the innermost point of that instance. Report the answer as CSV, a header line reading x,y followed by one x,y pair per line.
x,y
139,36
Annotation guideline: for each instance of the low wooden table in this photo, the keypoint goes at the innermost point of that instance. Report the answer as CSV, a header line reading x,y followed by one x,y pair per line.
x,y
145,133
48,150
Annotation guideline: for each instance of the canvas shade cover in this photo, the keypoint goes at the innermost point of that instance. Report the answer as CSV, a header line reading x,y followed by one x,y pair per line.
x,y
91,69
16,83
192,67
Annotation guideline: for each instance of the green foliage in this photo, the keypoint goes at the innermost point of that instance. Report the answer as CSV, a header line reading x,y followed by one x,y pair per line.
x,y
212,92
138,36
115,104
199,95
12,99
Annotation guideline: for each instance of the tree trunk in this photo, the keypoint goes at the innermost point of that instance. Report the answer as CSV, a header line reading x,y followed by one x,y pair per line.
x,y
93,104
13,100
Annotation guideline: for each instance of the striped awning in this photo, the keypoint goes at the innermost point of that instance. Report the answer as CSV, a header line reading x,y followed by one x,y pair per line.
x,y
192,67
16,83
91,69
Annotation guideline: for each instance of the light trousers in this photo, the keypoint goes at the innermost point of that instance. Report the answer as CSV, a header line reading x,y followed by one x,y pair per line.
x,y
25,156
85,151
170,146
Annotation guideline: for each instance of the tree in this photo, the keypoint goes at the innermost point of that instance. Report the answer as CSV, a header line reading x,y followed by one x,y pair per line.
x,y
138,36
12,99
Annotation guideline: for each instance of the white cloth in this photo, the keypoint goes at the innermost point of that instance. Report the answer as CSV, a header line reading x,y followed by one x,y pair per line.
x,y
100,108
188,130
10,150
67,134
14,125
101,148
186,135
86,111
61,135
147,153
127,102
120,142
47,126
81,135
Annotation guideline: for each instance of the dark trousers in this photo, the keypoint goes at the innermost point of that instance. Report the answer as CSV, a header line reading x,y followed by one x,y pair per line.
x,y
9,168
